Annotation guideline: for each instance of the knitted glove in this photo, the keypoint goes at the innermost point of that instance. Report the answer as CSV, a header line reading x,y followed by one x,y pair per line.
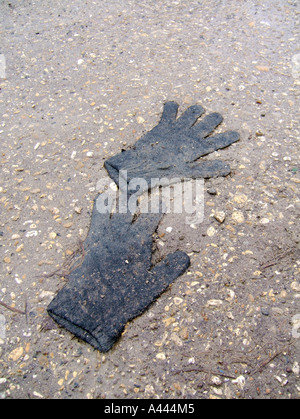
x,y
171,149
116,281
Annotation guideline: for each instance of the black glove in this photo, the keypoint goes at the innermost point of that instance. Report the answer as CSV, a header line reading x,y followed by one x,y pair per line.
x,y
170,149
116,281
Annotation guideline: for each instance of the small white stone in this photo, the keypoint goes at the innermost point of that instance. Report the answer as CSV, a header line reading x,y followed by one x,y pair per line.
x,y
33,233
238,217
211,231
220,216
214,303
140,120
240,381
216,381
264,221
45,295
18,280
178,300
295,286
39,395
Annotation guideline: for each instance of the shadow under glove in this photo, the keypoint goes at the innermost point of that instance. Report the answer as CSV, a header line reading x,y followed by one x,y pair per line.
x,y
116,281
171,148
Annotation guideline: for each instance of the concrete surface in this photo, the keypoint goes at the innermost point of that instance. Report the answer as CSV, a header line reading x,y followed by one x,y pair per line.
x,y
80,80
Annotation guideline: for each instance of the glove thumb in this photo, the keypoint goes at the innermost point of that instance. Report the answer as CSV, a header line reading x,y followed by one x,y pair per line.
x,y
170,268
165,273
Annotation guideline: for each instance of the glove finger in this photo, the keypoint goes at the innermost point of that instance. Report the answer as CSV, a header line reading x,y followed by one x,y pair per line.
x,y
219,141
189,117
169,113
112,170
207,125
160,277
170,268
148,223
208,169
100,219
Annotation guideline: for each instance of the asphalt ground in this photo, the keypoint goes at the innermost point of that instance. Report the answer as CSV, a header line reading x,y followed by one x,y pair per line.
x,y
80,82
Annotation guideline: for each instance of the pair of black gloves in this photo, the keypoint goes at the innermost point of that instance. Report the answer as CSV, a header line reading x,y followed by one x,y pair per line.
x,y
116,281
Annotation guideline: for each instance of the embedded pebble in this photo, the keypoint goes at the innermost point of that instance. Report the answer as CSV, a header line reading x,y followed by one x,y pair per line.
x,y
212,191
211,231
81,85
238,217
214,303
33,233
220,216
16,354
295,286
265,312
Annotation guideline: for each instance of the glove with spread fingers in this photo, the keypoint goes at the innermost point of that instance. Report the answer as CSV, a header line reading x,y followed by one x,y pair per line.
x,y
171,149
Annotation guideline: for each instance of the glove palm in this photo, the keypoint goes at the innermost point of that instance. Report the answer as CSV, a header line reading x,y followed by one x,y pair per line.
x,y
116,281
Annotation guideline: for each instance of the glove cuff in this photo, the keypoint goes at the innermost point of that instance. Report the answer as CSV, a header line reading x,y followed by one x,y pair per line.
x,y
79,322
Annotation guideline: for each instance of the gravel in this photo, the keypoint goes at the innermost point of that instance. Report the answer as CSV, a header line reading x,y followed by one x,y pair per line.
x,y
81,81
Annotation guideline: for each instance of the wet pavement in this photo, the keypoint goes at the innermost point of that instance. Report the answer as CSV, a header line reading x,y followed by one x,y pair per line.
x,y
82,81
